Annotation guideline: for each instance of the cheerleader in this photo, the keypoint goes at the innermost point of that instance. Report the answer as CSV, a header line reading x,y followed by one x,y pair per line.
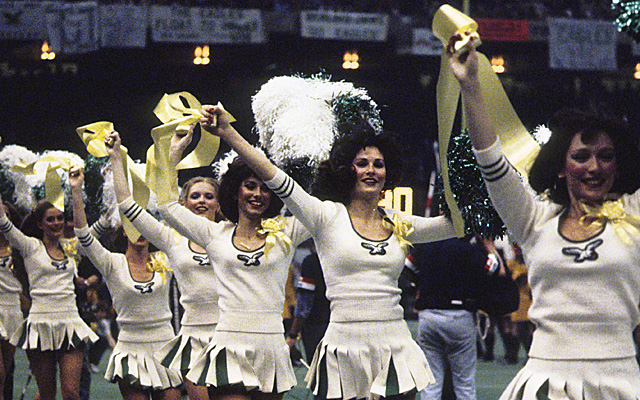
x,y
251,253
53,334
138,285
367,350
580,243
10,289
190,264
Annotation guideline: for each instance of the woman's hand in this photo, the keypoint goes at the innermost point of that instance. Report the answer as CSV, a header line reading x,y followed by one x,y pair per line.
x,y
179,142
215,120
462,56
113,142
76,177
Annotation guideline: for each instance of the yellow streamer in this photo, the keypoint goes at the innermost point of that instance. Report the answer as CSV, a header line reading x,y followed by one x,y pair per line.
x,y
400,228
158,262
52,184
177,111
92,136
273,227
518,145
612,211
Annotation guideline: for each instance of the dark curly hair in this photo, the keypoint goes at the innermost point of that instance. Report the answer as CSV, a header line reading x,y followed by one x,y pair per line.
x,y
30,223
336,178
564,125
230,185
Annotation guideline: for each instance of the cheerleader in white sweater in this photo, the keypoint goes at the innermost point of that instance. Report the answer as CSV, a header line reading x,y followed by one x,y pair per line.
x,y
141,301
189,262
251,253
53,334
10,288
581,245
367,350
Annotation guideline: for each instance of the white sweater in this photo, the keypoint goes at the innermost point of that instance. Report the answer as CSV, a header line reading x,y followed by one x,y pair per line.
x,y
50,280
361,274
193,270
250,283
585,293
141,307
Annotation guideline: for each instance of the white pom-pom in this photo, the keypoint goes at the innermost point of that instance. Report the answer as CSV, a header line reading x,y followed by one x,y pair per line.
x,y
221,166
541,134
11,155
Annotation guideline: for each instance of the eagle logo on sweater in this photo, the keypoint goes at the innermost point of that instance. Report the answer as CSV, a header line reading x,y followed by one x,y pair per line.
x,y
587,254
60,265
146,288
375,249
202,260
5,261
251,260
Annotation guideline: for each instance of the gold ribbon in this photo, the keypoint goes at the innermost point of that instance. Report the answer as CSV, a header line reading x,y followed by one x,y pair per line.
x,y
517,144
52,184
177,111
158,263
273,227
92,136
70,248
400,228
613,211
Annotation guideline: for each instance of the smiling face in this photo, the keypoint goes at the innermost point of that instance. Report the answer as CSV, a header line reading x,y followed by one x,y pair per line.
x,y
371,173
590,169
52,223
254,197
202,200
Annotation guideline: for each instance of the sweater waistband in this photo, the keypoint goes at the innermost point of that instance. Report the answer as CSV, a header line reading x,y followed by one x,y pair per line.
x,y
247,321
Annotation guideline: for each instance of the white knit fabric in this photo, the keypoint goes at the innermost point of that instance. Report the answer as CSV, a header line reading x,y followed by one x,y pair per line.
x,y
143,315
251,298
585,293
53,322
362,286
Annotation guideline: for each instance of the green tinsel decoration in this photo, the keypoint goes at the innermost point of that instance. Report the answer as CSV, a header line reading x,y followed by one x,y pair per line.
x,y
7,188
93,182
469,191
352,109
628,19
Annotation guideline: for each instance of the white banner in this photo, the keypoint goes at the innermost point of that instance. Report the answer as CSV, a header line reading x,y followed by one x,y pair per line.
x,y
584,45
425,43
73,27
123,26
23,20
337,25
206,25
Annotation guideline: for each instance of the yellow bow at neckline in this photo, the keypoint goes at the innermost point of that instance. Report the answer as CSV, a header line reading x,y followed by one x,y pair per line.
x,y
52,184
158,263
70,248
400,228
613,212
274,227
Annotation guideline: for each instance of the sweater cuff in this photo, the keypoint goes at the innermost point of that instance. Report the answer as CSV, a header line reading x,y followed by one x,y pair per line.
x,y
83,234
277,181
5,224
126,204
489,155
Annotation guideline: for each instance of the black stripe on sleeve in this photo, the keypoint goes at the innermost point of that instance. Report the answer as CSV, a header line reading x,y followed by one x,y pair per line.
x,y
285,189
132,212
4,228
85,240
496,170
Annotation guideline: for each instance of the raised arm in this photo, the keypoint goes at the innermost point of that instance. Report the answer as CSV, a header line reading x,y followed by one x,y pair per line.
x,y
464,64
216,122
120,183
76,180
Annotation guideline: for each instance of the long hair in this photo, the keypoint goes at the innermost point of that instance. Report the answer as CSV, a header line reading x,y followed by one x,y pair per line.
x,y
237,172
564,125
30,223
336,178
